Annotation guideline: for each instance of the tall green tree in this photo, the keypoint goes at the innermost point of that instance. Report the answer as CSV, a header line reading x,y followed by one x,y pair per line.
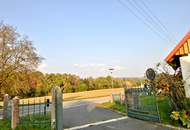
x,y
17,54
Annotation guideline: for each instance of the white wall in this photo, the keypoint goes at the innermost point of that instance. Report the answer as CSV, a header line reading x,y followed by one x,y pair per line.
x,y
185,66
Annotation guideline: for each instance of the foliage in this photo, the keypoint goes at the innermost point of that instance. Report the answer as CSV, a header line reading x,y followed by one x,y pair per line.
x,y
17,56
72,83
182,116
5,124
35,83
171,85
175,115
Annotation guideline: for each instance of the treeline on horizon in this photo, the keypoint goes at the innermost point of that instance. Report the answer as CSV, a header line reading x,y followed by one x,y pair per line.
x,y
35,83
19,61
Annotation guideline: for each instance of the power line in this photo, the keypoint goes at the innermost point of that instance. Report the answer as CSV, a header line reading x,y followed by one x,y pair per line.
x,y
147,19
136,6
158,21
141,19
154,21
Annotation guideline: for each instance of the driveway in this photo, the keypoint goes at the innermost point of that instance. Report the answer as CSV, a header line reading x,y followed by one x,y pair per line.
x,y
88,116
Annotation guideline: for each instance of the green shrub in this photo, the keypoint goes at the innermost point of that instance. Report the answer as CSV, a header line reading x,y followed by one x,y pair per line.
x,y
81,87
183,117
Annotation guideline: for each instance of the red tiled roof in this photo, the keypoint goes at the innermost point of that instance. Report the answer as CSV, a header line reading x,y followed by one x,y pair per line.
x,y
182,48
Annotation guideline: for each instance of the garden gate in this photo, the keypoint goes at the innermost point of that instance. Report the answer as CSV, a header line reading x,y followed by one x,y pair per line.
x,y
35,113
39,112
142,104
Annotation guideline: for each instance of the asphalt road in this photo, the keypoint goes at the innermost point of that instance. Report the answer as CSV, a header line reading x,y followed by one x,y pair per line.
x,y
88,116
85,114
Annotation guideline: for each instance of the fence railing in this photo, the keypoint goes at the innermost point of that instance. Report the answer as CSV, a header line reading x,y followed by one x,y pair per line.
x,y
142,104
35,113
44,112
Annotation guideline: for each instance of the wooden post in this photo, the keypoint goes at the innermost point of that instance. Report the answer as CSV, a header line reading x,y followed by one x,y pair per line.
x,y
5,106
15,113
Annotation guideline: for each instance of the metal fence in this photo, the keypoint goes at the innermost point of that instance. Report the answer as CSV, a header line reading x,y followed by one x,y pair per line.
x,y
45,113
142,104
34,113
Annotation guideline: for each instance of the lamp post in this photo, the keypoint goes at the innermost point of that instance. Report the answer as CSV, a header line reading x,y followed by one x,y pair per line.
x,y
111,72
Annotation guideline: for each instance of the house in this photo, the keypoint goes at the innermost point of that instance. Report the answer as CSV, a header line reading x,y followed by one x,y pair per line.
x,y
180,57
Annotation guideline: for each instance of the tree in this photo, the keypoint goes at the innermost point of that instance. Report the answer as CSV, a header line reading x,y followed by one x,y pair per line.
x,y
17,55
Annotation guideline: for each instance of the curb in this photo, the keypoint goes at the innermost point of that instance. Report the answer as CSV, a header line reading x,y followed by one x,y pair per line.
x,y
170,126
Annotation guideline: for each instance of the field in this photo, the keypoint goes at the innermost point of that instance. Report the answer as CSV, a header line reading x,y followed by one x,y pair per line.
x,y
75,96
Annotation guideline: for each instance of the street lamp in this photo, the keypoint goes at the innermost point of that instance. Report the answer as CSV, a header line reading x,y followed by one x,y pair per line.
x,y
111,71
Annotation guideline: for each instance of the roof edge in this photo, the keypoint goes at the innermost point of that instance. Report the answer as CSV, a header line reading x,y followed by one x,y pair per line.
x,y
179,45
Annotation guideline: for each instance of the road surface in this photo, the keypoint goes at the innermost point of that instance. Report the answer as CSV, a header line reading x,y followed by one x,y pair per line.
x,y
85,115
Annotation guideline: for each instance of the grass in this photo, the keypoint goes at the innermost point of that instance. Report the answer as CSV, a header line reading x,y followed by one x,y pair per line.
x,y
147,100
32,122
5,125
164,109
163,106
115,106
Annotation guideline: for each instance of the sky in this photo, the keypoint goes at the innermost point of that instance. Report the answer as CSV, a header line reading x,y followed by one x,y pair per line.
x,y
87,37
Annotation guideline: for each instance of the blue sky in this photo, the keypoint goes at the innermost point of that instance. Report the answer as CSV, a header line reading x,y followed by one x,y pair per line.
x,y
86,37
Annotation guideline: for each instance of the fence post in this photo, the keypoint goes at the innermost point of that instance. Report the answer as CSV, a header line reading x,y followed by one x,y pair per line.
x,y
53,108
57,108
122,99
111,98
15,113
5,106
126,100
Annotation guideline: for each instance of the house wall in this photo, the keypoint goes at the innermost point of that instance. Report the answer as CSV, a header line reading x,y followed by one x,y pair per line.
x,y
185,66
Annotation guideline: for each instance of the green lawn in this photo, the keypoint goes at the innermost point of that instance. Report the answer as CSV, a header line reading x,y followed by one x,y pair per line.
x,y
164,109
115,106
32,122
163,106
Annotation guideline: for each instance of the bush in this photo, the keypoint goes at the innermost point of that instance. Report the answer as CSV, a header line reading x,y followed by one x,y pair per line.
x,y
186,103
69,89
81,87
183,117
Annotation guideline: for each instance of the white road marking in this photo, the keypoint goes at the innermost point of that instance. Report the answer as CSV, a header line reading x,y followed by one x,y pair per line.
x,y
97,123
